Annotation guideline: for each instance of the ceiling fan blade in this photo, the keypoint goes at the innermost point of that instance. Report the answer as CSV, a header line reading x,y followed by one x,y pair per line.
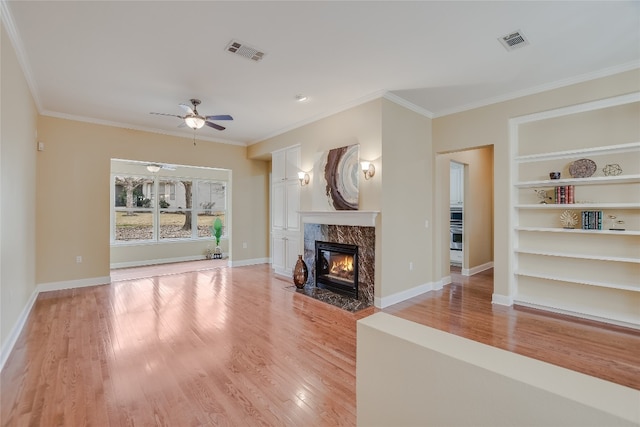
x,y
182,124
215,126
187,108
220,117
165,114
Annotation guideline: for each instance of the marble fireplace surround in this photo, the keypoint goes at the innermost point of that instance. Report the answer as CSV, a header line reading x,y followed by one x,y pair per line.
x,y
350,227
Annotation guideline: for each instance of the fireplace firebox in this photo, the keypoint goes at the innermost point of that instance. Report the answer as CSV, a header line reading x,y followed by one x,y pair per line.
x,y
337,267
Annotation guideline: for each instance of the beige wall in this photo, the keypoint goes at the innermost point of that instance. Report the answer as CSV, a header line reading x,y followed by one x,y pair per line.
x,y
411,375
478,206
407,197
359,125
398,142
17,193
73,193
489,126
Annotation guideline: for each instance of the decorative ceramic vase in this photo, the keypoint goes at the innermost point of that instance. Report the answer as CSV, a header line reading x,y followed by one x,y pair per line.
x,y
300,273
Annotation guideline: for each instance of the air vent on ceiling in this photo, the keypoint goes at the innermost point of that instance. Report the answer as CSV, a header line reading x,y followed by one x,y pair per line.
x,y
242,49
514,40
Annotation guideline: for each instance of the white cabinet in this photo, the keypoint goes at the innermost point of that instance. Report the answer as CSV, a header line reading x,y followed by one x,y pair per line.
x,y
591,273
285,207
285,250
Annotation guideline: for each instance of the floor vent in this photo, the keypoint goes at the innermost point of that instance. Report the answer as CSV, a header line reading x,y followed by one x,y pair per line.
x,y
514,40
242,49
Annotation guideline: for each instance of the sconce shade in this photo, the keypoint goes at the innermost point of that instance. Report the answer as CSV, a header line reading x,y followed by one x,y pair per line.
x,y
304,178
368,169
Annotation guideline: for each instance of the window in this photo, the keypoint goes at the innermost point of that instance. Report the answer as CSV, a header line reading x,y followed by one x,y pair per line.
x,y
184,208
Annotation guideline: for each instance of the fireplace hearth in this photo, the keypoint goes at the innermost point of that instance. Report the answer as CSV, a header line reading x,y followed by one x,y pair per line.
x,y
337,267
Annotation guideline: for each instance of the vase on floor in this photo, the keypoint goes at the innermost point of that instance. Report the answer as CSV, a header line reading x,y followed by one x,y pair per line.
x,y
300,273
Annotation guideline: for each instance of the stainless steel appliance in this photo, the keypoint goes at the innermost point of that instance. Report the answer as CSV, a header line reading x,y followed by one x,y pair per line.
x,y
456,221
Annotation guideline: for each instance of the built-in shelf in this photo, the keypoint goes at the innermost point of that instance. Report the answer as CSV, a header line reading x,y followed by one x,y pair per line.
x,y
560,268
598,180
580,281
578,206
610,149
579,231
579,256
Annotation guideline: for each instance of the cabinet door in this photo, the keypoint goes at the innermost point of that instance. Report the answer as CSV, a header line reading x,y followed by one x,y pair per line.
x,y
293,206
278,256
293,250
292,163
279,208
278,166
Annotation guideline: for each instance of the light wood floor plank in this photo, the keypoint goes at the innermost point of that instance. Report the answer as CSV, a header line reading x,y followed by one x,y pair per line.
x,y
230,347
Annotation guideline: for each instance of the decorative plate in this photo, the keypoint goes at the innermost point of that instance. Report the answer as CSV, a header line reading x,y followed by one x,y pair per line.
x,y
569,219
582,168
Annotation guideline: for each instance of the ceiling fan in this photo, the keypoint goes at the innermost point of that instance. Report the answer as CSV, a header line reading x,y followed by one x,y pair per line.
x,y
194,120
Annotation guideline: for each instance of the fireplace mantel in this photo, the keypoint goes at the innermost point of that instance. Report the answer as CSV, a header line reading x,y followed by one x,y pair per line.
x,y
354,218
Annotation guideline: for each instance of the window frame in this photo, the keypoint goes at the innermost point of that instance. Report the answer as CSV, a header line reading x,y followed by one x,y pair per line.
x,y
156,210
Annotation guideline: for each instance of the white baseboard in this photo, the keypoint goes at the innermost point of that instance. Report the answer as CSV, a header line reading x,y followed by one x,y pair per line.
x,y
70,284
501,299
7,346
405,295
143,263
446,280
245,262
477,269
573,313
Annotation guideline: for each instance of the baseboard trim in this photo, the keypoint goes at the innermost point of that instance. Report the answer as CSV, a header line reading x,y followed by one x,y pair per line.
x,y
446,280
501,300
8,345
477,269
405,295
70,284
146,262
573,313
245,262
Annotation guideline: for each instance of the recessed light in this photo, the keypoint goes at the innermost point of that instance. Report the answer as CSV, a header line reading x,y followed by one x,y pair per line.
x,y
301,98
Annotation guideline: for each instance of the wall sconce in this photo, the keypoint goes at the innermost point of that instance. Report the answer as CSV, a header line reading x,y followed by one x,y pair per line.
x,y
304,178
368,169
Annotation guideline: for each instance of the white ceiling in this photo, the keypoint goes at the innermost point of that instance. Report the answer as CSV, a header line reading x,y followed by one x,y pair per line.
x,y
115,61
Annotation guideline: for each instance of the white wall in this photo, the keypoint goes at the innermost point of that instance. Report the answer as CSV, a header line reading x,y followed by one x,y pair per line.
x,y
412,375
17,195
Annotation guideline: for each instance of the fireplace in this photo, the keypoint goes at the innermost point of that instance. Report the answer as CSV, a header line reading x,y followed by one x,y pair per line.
x,y
337,267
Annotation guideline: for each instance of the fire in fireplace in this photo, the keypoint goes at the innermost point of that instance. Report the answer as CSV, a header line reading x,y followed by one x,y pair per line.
x,y
337,267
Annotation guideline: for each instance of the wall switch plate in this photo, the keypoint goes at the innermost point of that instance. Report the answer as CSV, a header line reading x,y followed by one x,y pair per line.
x,y
78,259
244,245
40,146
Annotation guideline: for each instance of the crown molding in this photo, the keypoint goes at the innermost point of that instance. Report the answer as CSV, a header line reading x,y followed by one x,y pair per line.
x,y
343,107
198,137
543,88
409,105
18,47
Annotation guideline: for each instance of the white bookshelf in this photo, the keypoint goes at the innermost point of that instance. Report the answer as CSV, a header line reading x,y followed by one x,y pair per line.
x,y
595,273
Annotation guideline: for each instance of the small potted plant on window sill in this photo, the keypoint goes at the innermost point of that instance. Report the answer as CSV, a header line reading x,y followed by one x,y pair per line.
x,y
216,231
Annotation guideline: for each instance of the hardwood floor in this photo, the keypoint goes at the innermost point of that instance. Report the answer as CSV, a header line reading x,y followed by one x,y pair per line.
x,y
464,308
231,346
228,346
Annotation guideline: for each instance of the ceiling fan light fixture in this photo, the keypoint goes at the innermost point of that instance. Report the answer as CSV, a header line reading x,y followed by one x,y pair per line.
x,y
194,122
153,168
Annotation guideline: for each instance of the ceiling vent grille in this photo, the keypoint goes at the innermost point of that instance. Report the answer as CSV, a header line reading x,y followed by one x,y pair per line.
x,y
514,40
242,49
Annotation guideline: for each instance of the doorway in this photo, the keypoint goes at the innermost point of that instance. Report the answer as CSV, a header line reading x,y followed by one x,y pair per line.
x,y
456,213
466,184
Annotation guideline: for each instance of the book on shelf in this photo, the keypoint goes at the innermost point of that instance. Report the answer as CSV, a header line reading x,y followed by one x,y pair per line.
x,y
565,194
592,220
